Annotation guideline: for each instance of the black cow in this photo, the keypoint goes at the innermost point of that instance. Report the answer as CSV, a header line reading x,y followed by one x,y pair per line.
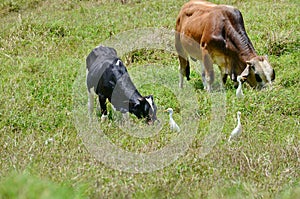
x,y
108,78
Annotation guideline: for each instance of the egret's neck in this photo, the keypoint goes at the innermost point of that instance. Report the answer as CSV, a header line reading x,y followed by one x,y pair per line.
x,y
240,84
238,119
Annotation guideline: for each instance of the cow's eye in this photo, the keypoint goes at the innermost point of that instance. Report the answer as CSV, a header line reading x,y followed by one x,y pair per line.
x,y
257,77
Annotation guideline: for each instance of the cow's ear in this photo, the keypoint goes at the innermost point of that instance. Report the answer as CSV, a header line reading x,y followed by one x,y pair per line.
x,y
151,97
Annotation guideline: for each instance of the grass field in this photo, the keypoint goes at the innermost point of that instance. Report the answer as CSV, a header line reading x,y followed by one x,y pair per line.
x,y
43,46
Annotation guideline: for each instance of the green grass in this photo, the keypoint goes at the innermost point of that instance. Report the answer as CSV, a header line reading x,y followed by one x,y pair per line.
x,y
43,46
28,186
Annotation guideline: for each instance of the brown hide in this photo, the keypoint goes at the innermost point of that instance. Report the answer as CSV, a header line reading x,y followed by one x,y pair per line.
x,y
215,34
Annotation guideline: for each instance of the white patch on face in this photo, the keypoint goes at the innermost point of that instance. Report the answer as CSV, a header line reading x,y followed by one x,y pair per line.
x,y
267,70
150,101
118,62
259,70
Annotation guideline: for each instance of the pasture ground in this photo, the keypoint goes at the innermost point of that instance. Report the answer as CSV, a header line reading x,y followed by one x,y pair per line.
x,y
43,46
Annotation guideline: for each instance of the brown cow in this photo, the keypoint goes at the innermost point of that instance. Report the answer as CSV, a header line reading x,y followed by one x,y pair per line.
x,y
216,34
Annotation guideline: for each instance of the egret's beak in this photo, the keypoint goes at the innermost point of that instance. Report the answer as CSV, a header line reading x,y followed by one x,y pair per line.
x,y
243,79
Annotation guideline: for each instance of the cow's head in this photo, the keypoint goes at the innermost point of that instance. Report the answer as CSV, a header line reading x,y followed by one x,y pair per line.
x,y
148,109
258,72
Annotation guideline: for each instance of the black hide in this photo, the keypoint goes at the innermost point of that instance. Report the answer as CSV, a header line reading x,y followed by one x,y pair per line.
x,y
110,80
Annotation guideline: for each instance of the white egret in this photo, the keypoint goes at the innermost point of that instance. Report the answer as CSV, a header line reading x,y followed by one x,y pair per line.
x,y
238,129
239,92
173,125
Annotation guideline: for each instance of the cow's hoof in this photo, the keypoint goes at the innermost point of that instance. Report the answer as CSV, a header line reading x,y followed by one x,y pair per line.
x,y
180,85
104,118
208,88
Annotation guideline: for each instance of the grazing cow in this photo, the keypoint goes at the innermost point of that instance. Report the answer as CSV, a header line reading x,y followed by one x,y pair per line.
x,y
216,34
109,79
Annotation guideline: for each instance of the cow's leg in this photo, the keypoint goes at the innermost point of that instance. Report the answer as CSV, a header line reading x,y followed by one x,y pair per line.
x,y
125,118
184,65
90,102
236,85
98,108
224,75
224,78
102,101
184,70
203,74
234,79
208,68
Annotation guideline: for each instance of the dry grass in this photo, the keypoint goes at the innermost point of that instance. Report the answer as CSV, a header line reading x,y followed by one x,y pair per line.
x,y
43,46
